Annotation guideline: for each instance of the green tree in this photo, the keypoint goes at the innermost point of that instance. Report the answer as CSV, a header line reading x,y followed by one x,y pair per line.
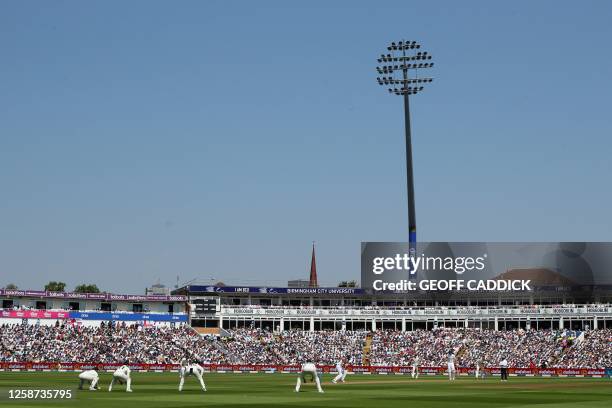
x,y
11,286
86,288
54,286
348,284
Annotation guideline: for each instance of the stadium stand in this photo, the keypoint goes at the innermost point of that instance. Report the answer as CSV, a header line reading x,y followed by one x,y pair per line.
x,y
120,342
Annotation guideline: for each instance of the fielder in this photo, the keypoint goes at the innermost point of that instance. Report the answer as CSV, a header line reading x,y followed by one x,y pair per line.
x,y
91,377
341,372
415,367
121,375
191,369
451,365
308,370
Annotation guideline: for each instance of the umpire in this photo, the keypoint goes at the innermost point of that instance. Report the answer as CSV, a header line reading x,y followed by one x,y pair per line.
x,y
503,365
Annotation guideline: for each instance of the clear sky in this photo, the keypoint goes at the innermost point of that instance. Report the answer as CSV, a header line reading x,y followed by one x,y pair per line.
x,y
143,140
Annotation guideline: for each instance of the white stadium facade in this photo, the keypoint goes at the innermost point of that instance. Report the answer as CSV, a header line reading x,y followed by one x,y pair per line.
x,y
356,309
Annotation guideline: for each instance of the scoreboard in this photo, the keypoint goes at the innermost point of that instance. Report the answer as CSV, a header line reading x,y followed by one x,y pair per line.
x,y
206,305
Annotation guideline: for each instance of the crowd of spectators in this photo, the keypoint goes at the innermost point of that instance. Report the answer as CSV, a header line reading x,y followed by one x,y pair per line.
x,y
522,348
137,344
294,346
104,344
593,350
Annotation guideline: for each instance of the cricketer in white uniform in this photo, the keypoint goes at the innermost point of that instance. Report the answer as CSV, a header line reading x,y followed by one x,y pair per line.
x,y
451,366
341,372
191,369
479,372
308,370
122,375
90,376
415,367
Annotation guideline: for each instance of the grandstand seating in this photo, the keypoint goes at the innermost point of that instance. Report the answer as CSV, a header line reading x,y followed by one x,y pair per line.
x,y
137,344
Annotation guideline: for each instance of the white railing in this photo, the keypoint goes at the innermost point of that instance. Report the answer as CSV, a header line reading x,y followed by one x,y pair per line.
x,y
23,309
561,310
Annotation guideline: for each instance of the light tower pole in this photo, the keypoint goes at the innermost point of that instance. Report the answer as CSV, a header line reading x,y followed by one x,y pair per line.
x,y
404,58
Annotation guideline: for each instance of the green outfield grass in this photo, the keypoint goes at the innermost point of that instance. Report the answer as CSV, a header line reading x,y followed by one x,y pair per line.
x,y
276,390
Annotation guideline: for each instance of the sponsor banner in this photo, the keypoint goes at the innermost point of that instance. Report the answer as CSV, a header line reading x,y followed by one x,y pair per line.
x,y
432,370
521,372
133,367
290,369
153,317
514,311
599,309
565,310
96,296
14,366
87,366
267,290
33,314
358,369
221,367
92,296
106,316
65,366
571,371
139,367
111,366
10,292
157,367
595,372
243,368
106,366
382,370
42,366
518,371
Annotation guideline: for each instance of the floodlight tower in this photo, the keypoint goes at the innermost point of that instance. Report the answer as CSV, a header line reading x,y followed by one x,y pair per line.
x,y
403,58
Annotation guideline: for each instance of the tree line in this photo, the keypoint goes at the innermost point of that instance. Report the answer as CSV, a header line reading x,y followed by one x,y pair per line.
x,y
56,286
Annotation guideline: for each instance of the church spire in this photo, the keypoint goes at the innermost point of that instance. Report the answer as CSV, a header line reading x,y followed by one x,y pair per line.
x,y
313,269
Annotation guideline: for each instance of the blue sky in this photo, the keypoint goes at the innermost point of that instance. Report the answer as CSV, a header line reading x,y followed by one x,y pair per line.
x,y
143,140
